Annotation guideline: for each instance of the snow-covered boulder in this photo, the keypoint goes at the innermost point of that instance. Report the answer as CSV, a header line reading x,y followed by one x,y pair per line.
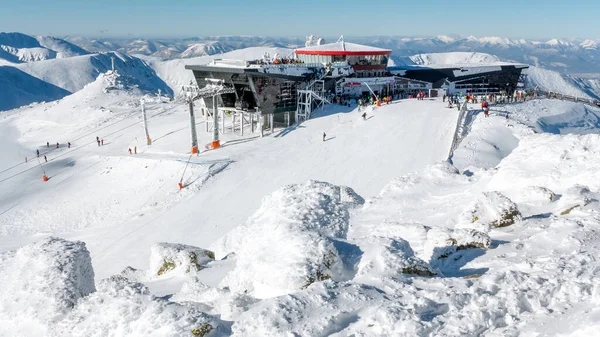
x,y
172,257
121,307
41,282
492,209
465,238
576,196
385,257
220,301
292,240
535,194
443,244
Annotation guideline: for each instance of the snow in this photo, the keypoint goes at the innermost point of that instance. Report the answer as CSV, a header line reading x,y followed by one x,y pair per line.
x,y
18,88
173,72
552,81
41,282
370,232
342,46
453,58
167,258
291,241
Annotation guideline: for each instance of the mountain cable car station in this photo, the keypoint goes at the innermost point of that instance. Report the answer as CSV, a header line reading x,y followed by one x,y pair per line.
x,y
287,89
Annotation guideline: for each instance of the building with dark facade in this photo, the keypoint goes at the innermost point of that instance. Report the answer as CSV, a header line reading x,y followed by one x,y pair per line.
x,y
292,87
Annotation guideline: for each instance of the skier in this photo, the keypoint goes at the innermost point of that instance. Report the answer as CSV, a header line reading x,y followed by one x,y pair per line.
x,y
486,112
135,150
45,159
324,135
129,150
69,145
364,116
37,152
47,144
102,141
98,140
25,159
57,145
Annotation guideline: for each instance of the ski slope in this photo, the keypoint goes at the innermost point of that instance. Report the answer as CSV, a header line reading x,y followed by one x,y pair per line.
x,y
393,240
232,180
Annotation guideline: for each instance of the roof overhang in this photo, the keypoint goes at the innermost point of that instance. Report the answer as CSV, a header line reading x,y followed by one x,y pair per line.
x,y
340,52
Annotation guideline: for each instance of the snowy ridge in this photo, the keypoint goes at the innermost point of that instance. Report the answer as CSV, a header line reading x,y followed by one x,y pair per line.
x,y
19,48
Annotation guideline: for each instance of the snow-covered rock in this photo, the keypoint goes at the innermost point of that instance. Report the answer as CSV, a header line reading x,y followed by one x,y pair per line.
x,y
291,241
177,258
492,209
42,282
384,257
221,301
121,307
465,238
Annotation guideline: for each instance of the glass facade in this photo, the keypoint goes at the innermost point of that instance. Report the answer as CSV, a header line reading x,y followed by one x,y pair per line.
x,y
361,60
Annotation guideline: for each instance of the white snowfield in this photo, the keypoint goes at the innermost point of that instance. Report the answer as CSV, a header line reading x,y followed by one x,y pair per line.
x,y
370,232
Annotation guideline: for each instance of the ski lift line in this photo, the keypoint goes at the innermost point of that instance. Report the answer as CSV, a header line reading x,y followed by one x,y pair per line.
x,y
186,166
80,137
84,145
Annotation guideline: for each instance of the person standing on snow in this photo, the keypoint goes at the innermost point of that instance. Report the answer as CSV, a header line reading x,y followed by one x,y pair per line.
x,y
129,150
69,145
47,144
37,152
324,135
364,116
135,150
45,159
57,145
98,140
102,141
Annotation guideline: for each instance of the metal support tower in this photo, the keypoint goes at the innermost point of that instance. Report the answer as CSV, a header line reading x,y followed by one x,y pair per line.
x,y
145,119
214,89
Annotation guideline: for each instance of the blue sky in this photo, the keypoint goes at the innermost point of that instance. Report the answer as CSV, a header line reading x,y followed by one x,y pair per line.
x,y
185,18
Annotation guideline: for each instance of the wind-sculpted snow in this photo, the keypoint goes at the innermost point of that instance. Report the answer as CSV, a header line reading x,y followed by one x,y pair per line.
x,y
121,307
292,241
341,309
42,282
48,289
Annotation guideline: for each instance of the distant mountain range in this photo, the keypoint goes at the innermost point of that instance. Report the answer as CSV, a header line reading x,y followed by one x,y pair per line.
x,y
568,56
18,48
43,68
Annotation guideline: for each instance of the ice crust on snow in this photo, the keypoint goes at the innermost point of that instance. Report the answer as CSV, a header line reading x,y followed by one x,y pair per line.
x,y
291,240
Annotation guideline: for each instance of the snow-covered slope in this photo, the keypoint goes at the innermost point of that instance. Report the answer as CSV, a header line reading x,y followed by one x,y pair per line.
x,y
19,47
552,81
453,58
18,88
412,249
74,73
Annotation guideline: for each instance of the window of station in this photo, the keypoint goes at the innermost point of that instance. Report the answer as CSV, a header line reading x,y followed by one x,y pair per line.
x,y
367,60
315,58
